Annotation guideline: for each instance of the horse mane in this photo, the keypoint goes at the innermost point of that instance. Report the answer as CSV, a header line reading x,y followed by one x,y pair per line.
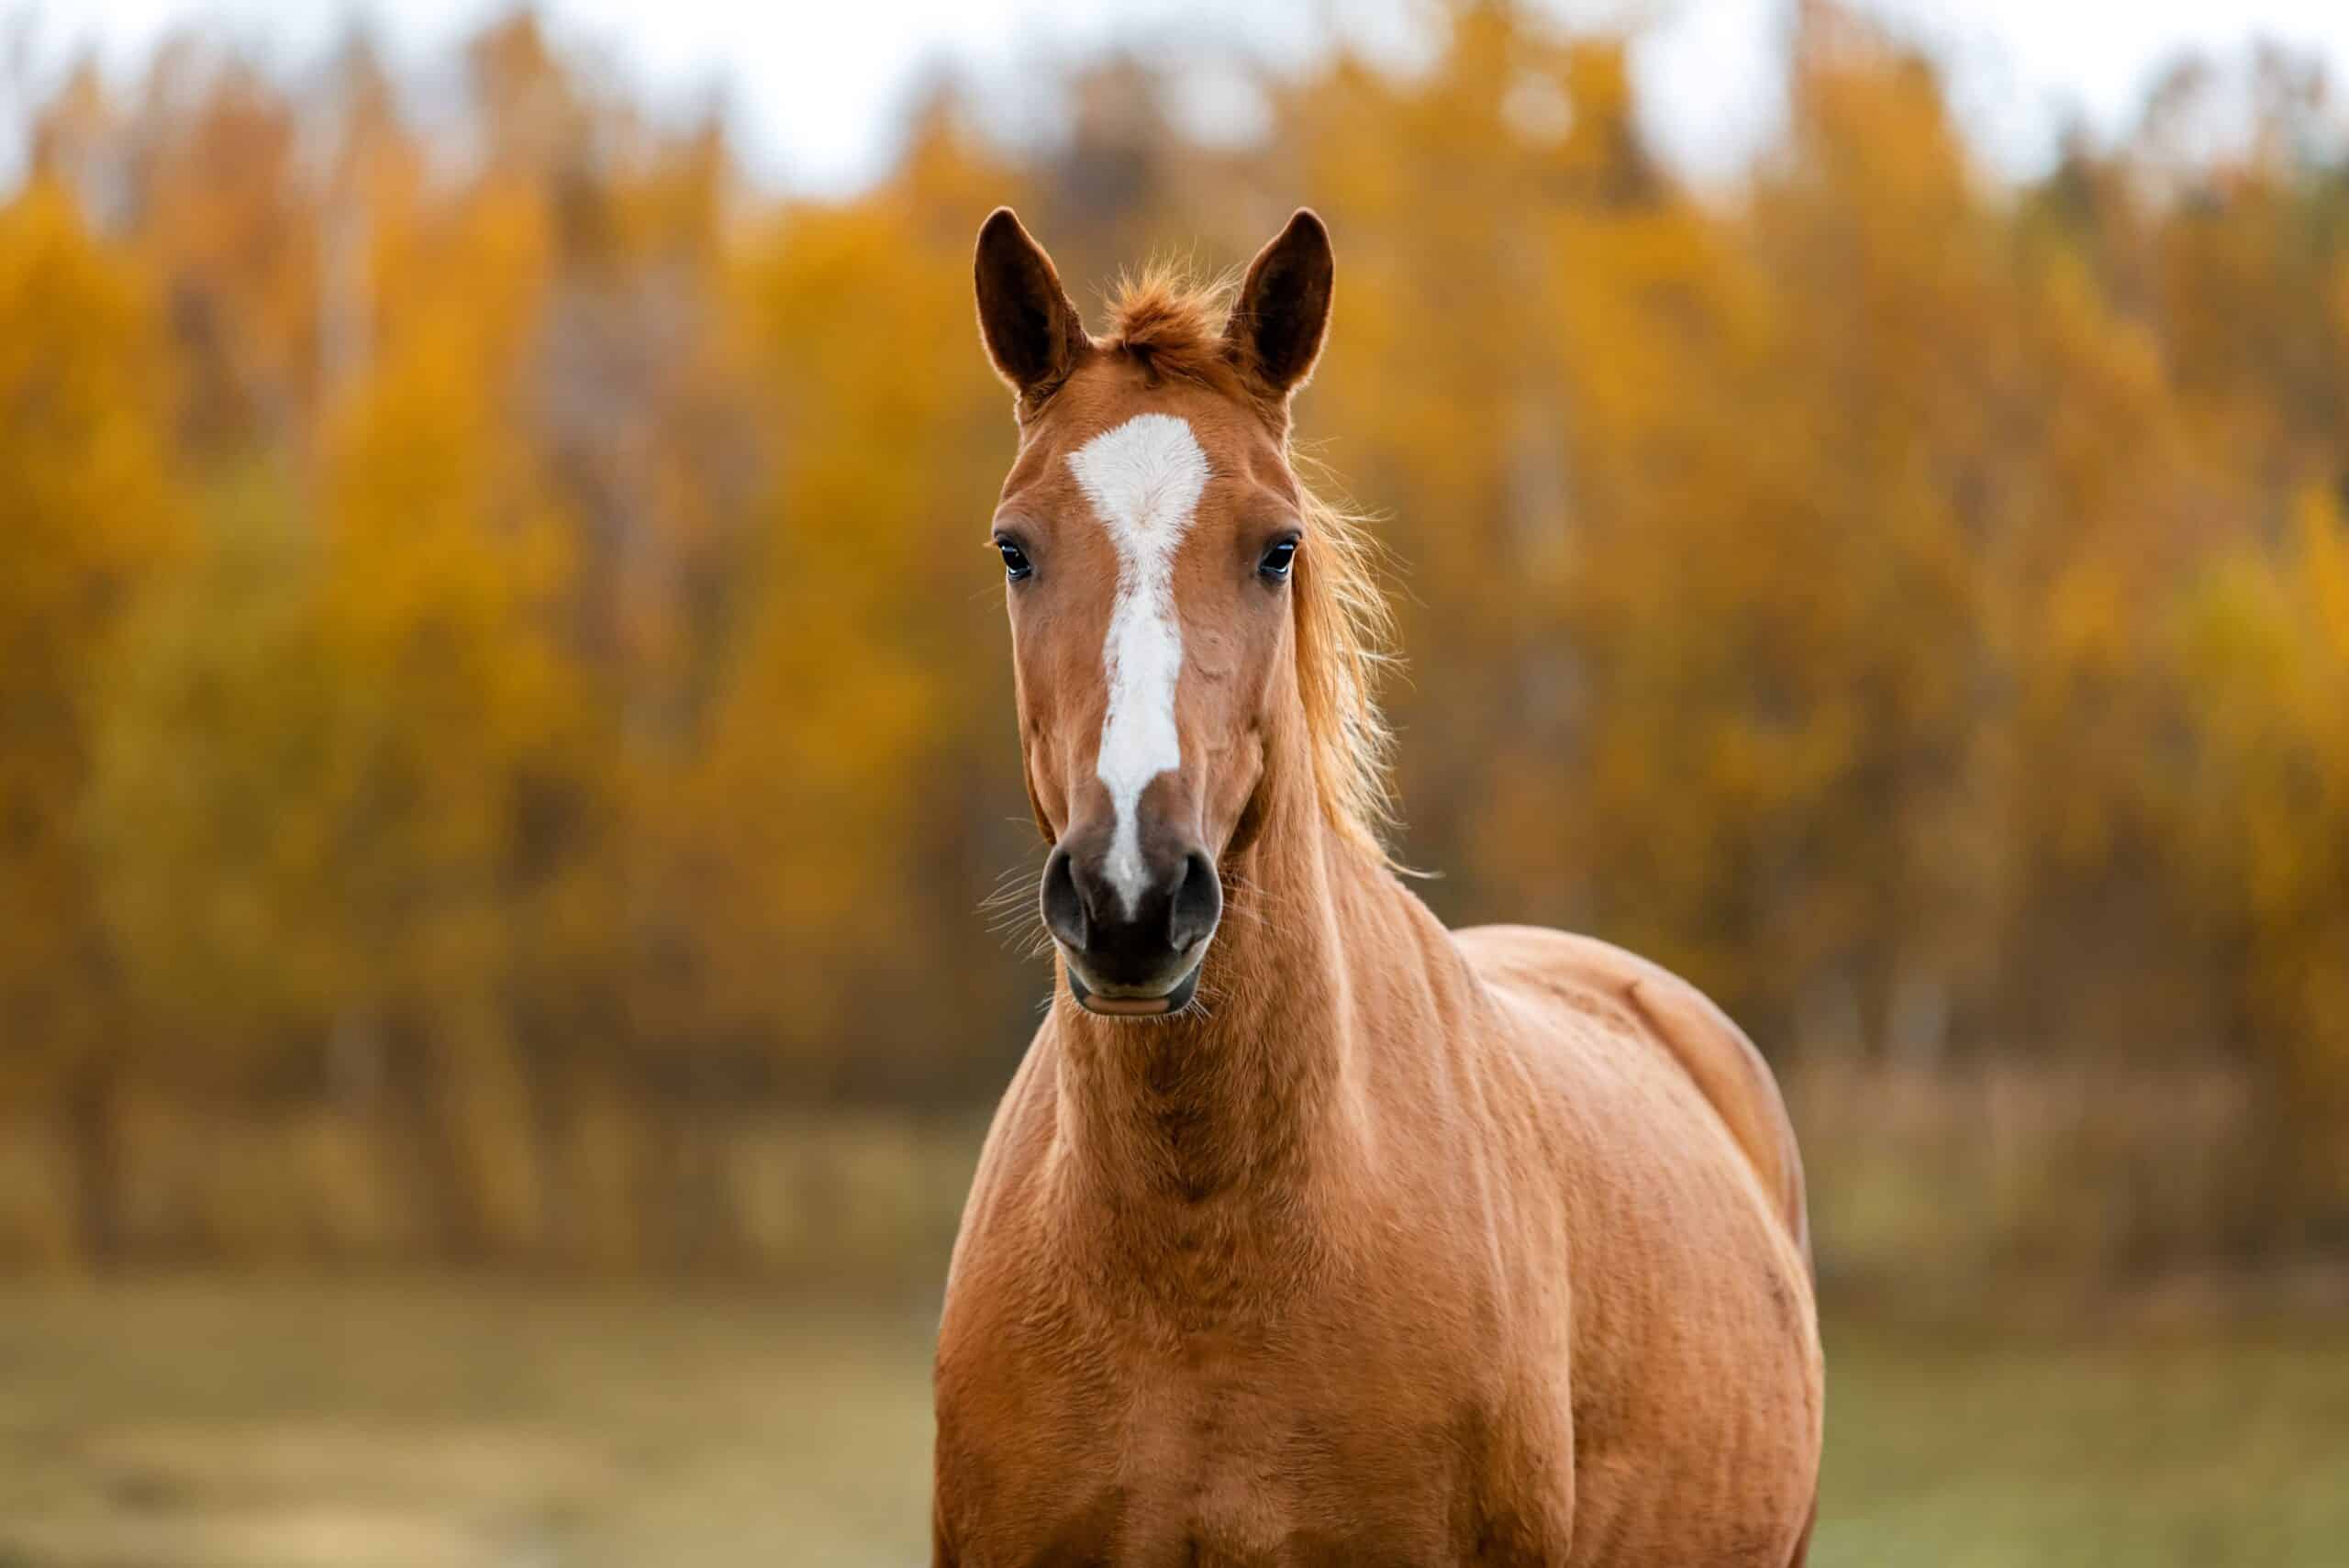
x,y
1172,322
1344,644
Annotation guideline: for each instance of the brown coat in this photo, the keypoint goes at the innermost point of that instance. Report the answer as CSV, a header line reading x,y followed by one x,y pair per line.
x,y
1398,1245
1502,1265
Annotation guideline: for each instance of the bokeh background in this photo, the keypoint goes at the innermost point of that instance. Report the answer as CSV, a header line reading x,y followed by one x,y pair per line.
x,y
505,733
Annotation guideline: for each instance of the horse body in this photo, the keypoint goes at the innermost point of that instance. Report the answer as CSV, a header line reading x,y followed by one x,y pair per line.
x,y
1400,1246
1467,1269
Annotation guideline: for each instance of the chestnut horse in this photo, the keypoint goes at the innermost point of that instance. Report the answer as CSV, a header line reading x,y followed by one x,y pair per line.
x,y
1311,1231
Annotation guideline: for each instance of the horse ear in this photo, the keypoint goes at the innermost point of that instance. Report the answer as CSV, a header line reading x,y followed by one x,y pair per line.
x,y
1032,332
1277,329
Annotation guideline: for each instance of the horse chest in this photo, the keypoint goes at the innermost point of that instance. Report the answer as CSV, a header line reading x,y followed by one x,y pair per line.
x,y
1213,1457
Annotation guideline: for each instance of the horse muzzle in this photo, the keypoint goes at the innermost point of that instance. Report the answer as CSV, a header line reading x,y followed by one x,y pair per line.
x,y
1133,946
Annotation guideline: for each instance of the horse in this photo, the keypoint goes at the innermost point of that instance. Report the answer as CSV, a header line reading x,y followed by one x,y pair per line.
x,y
1309,1231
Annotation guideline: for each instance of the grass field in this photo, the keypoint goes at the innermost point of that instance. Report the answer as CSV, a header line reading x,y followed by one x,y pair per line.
x,y
466,1425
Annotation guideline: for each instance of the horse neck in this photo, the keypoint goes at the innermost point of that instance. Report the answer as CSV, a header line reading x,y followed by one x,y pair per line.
x,y
1242,1097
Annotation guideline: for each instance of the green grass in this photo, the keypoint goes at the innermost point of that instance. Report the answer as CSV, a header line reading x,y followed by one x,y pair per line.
x,y
472,1424
1974,1450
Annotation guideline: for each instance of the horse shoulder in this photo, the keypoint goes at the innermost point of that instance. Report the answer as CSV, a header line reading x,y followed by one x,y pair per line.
x,y
1716,1055
1016,1139
1004,1309
1704,1417
1018,1400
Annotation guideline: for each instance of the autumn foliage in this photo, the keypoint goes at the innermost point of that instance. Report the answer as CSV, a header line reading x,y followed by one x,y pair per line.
x,y
497,639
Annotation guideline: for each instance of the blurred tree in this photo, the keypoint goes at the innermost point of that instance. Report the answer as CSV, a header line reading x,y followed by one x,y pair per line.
x,y
2270,831
497,639
860,759
89,517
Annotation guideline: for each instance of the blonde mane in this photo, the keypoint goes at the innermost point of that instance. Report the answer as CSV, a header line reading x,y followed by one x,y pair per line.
x,y
1173,323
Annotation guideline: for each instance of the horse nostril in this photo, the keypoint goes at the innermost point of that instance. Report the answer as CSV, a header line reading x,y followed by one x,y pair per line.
x,y
1197,903
1063,905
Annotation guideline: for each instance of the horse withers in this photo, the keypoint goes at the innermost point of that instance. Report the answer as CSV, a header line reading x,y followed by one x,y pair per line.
x,y
1309,1231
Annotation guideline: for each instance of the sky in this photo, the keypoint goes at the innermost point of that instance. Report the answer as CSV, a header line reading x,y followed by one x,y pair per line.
x,y
814,87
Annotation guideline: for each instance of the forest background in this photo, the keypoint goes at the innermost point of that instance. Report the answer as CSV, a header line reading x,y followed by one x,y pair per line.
x,y
505,726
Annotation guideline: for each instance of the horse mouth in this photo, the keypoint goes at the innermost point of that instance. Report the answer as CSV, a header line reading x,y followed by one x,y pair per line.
x,y
1126,1004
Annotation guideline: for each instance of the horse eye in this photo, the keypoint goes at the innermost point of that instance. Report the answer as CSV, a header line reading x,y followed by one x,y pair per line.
x,y
1016,564
1277,560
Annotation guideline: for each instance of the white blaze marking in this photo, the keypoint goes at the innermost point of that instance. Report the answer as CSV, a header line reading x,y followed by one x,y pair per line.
x,y
1144,479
